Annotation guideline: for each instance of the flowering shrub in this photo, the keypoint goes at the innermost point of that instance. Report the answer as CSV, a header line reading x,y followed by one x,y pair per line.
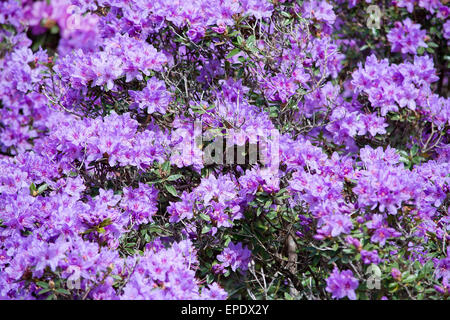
x,y
214,149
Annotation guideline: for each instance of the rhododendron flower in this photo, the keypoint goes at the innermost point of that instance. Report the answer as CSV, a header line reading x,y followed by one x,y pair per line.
x,y
342,284
235,256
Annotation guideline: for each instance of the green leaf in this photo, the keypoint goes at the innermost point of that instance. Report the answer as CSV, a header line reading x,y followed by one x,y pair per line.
x,y
403,153
54,30
287,296
171,189
206,228
209,278
33,189
233,52
44,291
251,41
105,222
63,291
409,278
42,188
393,286
239,40
414,150
174,177
272,214
51,297
42,284
153,182
166,167
232,34
285,14
262,226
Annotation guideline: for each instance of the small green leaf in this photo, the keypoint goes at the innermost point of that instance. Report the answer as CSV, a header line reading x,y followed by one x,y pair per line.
x,y
105,222
174,177
171,189
44,291
409,278
54,30
239,40
206,228
414,150
63,291
166,167
33,189
101,230
233,52
42,188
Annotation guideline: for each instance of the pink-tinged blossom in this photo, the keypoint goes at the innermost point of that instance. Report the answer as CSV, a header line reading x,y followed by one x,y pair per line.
x,y
153,98
333,225
406,37
342,284
257,8
236,256
319,10
369,257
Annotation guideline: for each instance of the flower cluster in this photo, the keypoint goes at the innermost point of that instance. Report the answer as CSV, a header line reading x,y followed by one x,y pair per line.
x,y
342,284
167,274
214,149
121,56
234,256
407,37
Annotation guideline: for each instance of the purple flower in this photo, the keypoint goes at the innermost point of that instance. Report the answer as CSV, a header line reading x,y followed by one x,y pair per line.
x,y
75,186
396,274
355,242
443,269
342,284
369,257
235,256
335,224
107,70
320,10
257,8
183,209
213,292
153,98
141,203
407,37
381,234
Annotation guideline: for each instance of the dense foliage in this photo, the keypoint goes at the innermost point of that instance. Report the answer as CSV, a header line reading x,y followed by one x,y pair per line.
x,y
213,149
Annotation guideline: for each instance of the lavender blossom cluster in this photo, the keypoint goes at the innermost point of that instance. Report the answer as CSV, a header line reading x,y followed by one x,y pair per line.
x,y
214,149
